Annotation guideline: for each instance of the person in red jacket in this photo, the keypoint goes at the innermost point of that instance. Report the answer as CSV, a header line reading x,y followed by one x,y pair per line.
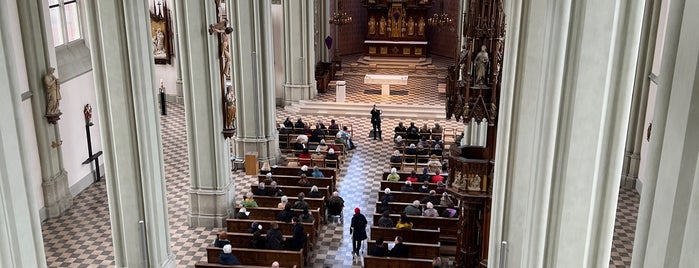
x,y
437,177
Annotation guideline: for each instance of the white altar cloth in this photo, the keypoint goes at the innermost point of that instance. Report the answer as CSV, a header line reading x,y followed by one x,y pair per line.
x,y
385,81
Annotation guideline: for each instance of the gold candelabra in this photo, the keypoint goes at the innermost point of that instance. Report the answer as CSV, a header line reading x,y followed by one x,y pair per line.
x,y
441,19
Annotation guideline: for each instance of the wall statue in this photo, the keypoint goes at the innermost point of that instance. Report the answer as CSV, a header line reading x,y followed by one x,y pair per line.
x,y
475,183
382,26
421,26
481,63
53,92
230,108
372,26
411,26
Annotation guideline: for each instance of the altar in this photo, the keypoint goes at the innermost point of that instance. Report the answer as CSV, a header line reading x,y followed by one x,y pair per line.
x,y
385,81
397,28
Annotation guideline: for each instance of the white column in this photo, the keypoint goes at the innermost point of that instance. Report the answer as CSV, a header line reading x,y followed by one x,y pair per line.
x,y
253,78
210,191
21,244
567,84
666,234
124,78
299,51
57,197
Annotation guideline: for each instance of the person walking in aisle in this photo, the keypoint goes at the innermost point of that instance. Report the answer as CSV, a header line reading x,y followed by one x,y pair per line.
x,y
358,231
376,122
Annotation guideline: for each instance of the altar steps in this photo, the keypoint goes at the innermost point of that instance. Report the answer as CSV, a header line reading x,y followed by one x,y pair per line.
x,y
309,107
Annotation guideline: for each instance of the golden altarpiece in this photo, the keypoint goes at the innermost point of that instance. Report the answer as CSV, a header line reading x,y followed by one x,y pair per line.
x,y
473,92
396,28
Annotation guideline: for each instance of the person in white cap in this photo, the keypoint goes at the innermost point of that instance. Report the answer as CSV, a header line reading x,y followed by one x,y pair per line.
x,y
227,258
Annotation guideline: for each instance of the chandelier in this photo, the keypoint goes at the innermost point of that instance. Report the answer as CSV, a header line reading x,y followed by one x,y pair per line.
x,y
340,17
440,19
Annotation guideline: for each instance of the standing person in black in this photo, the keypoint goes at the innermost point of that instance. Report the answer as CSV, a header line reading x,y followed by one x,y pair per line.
x,y
358,231
376,122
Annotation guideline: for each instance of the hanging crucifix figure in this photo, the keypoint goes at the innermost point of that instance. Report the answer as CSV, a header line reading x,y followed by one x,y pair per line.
x,y
225,47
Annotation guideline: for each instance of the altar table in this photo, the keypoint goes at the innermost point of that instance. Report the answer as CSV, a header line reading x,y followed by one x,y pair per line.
x,y
385,81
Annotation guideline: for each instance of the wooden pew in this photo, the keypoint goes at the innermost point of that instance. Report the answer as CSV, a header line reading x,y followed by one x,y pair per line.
x,y
405,197
242,240
242,226
391,262
447,226
399,207
269,201
283,170
202,264
395,185
416,250
295,190
292,180
405,175
416,235
261,257
264,213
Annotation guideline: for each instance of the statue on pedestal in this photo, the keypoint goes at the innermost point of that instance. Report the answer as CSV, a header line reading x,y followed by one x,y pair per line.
x,y
372,26
230,108
382,26
421,26
411,26
481,63
53,93
463,56
475,183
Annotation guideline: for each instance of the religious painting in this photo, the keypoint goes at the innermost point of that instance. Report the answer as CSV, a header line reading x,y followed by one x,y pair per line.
x,y
161,32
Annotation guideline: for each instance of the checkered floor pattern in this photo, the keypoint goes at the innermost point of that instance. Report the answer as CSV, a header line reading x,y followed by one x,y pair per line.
x,y
82,237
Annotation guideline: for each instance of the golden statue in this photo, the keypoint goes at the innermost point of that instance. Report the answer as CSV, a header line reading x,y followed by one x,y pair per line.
x,y
382,26
421,26
372,26
411,26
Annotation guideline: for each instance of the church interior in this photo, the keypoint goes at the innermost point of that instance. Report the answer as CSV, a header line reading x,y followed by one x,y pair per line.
x,y
349,133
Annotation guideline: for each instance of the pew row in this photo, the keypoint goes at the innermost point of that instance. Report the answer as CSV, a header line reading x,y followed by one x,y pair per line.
x,y
416,235
261,257
391,262
448,226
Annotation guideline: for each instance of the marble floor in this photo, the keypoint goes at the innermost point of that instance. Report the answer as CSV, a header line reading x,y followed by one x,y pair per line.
x,y
82,238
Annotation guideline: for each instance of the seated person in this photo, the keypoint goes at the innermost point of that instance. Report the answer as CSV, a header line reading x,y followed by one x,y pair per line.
x,y
243,213
441,188
446,200
344,133
379,249
434,164
306,216
333,125
254,227
274,190
437,177
274,237
317,134
431,197
407,187
413,209
424,176
425,188
413,134
449,213
284,130
412,177
331,156
307,131
437,129
260,189
393,176
285,215
288,123
396,158
301,142
399,142
321,125
425,131
222,239
304,182
339,139
430,211
305,157
316,173
257,240
399,129
304,171
317,157
298,239
423,143
249,201
322,146
387,195
385,220
314,193
421,150
299,124
412,127
283,202
301,203
404,223
399,249
410,151
436,150
335,205
227,258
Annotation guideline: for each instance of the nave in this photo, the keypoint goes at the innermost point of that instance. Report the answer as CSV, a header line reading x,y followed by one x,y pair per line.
x,y
82,238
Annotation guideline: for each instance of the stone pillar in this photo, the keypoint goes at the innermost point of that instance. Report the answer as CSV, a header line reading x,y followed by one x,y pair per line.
x,y
209,165
666,234
57,197
122,60
567,85
634,138
253,79
299,57
21,243
321,14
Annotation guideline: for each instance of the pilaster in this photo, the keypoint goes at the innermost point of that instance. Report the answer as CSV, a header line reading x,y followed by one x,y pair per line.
x,y
123,69
210,191
57,198
668,213
253,79
21,243
565,100
299,51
